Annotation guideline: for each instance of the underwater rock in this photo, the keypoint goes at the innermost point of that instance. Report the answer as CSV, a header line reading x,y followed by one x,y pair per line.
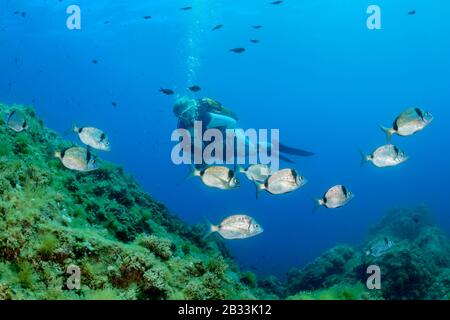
x,y
334,266
125,244
415,267
128,246
5,292
406,273
272,285
403,223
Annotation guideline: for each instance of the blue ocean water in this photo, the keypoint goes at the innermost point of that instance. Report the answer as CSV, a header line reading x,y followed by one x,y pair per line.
x,y
319,75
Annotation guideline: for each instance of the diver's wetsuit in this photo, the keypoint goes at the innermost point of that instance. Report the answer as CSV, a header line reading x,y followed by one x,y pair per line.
x,y
214,116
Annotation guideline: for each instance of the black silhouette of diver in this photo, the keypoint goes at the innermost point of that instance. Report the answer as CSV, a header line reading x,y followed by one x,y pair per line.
x,y
213,114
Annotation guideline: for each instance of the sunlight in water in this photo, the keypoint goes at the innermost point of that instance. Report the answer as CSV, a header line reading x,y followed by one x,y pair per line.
x,y
200,11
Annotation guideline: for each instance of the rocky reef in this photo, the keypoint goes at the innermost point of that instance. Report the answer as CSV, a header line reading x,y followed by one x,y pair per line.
x,y
125,244
415,265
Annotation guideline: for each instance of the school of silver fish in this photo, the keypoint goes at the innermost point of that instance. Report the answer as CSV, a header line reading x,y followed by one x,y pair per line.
x,y
242,226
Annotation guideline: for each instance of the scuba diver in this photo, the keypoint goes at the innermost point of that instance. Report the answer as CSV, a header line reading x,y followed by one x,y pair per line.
x,y
214,115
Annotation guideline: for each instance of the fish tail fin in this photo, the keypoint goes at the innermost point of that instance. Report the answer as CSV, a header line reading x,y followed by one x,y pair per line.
x,y
57,154
389,133
210,228
364,157
317,204
193,172
72,129
259,187
240,169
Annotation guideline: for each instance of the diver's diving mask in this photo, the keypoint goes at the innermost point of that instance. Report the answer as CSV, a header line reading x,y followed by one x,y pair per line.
x,y
187,111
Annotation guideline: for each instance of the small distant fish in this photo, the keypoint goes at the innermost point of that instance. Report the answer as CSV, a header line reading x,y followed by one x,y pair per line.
x,y
106,22
253,268
219,26
335,197
283,181
186,8
195,88
380,248
276,2
237,227
416,220
167,92
408,123
16,121
218,177
254,41
146,17
23,13
257,27
94,61
238,50
78,159
93,137
114,104
385,156
258,173
412,12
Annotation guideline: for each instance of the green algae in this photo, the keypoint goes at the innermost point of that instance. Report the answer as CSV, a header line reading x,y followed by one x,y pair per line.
x,y
416,267
337,292
126,244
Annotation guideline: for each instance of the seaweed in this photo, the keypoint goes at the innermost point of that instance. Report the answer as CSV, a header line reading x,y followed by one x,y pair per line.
x,y
126,244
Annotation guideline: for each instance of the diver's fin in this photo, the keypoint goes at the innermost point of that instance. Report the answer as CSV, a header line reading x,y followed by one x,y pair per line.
x,y
389,133
210,229
286,159
364,157
295,151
